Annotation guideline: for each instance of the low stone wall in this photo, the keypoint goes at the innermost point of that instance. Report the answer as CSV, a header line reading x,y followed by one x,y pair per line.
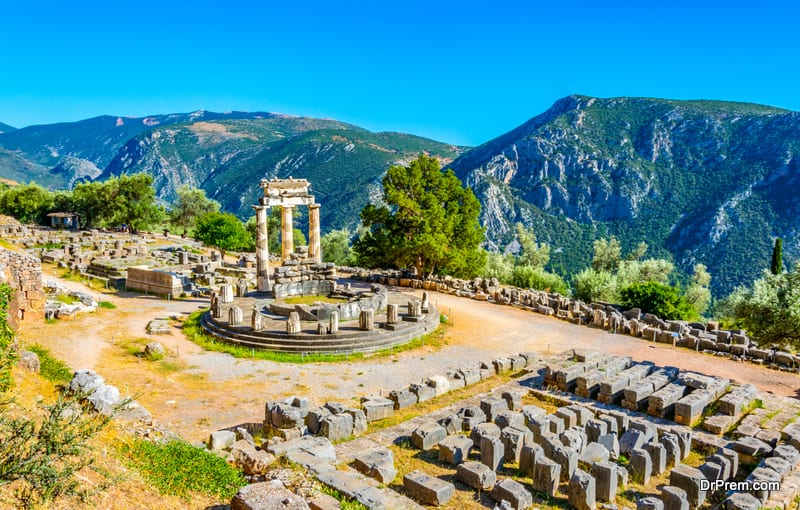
x,y
301,278
23,273
700,337
162,283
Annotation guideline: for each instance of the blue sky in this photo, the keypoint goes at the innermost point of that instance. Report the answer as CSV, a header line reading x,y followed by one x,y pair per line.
x,y
461,72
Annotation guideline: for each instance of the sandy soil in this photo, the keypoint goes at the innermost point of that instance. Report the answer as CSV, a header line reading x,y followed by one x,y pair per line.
x,y
193,392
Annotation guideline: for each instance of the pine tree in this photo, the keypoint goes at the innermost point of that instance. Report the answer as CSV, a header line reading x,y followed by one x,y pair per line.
x,y
777,257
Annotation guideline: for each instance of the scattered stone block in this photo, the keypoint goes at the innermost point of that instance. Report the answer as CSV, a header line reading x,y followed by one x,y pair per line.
x,y
723,463
649,503
750,449
492,452
594,429
484,430
760,479
337,427
452,424
640,466
427,489
555,424
476,475
439,383
658,456
531,412
471,416
377,463
711,470
422,391
428,435
512,492
221,440
359,421
690,480
787,452
493,405
742,501
402,398
505,419
594,453
547,474
568,415
605,474
581,491
611,443
732,457
672,448
377,408
674,498
267,495
567,459
454,449
631,440
513,440
527,458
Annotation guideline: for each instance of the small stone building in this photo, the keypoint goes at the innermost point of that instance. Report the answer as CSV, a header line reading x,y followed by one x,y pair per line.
x,y
64,220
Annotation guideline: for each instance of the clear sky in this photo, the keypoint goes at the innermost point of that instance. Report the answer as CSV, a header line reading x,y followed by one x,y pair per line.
x,y
457,71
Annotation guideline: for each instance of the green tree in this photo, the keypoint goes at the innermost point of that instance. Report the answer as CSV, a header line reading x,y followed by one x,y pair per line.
x,y
662,300
530,277
500,266
638,252
28,203
223,231
592,285
335,246
630,272
607,254
192,203
128,199
776,267
698,293
769,310
531,253
429,221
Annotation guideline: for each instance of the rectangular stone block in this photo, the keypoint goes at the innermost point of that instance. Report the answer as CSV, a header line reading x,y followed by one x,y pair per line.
x,y
428,435
547,474
582,491
690,480
454,449
605,474
492,452
518,497
476,475
377,408
427,489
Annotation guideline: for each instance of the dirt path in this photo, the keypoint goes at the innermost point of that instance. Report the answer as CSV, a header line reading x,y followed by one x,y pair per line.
x,y
194,391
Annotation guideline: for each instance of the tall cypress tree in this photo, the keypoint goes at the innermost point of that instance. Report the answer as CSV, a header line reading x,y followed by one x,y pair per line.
x,y
777,257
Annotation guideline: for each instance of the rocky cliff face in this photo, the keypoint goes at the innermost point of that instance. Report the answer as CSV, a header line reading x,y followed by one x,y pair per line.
x,y
705,181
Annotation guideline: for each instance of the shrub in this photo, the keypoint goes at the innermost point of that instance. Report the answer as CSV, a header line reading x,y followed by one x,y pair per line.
x,y
536,278
662,300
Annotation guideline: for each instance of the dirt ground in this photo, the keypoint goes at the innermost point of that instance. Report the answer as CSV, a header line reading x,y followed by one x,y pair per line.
x,y
193,392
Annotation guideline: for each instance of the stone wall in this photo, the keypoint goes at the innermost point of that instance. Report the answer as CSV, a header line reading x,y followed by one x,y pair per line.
x,y
162,283
301,278
23,273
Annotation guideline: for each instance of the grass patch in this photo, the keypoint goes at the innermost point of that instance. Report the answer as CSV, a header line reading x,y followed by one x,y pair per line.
x,y
50,367
66,299
107,305
345,503
180,469
194,332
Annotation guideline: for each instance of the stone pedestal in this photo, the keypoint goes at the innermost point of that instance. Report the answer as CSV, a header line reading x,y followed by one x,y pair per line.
x,y
366,320
256,320
392,314
226,293
287,232
293,324
314,250
234,316
334,323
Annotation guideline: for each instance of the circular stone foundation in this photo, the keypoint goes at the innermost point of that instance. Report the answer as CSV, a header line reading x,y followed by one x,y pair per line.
x,y
349,339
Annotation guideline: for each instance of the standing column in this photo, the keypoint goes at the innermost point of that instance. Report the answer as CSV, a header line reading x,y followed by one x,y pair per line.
x,y
287,232
314,249
262,250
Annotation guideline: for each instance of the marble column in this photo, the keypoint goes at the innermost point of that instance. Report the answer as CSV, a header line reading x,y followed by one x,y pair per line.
x,y
262,250
287,232
314,250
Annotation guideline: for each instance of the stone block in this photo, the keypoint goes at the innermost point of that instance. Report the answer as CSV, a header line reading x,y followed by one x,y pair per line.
x,y
594,453
484,430
611,443
492,452
471,416
527,458
674,498
611,424
513,399
723,463
760,479
517,496
531,412
594,429
428,435
555,424
567,459
640,466
732,457
313,419
742,501
452,424
547,474
377,463
265,495
439,383
690,480
658,456
493,405
476,475
402,398
422,391
427,489
649,503
574,438
513,440
750,448
581,491
337,427
359,421
711,470
454,449
568,415
672,448
605,475
377,408
505,419
631,440
788,453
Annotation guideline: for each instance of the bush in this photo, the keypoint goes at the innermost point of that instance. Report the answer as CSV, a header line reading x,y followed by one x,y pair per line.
x,y
662,300
592,285
178,468
536,278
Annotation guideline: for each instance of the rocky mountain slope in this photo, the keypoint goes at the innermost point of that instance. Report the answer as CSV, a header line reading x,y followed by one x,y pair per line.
x,y
700,181
5,128
225,154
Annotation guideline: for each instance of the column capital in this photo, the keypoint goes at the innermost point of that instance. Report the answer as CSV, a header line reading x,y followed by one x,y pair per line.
x,y
314,206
